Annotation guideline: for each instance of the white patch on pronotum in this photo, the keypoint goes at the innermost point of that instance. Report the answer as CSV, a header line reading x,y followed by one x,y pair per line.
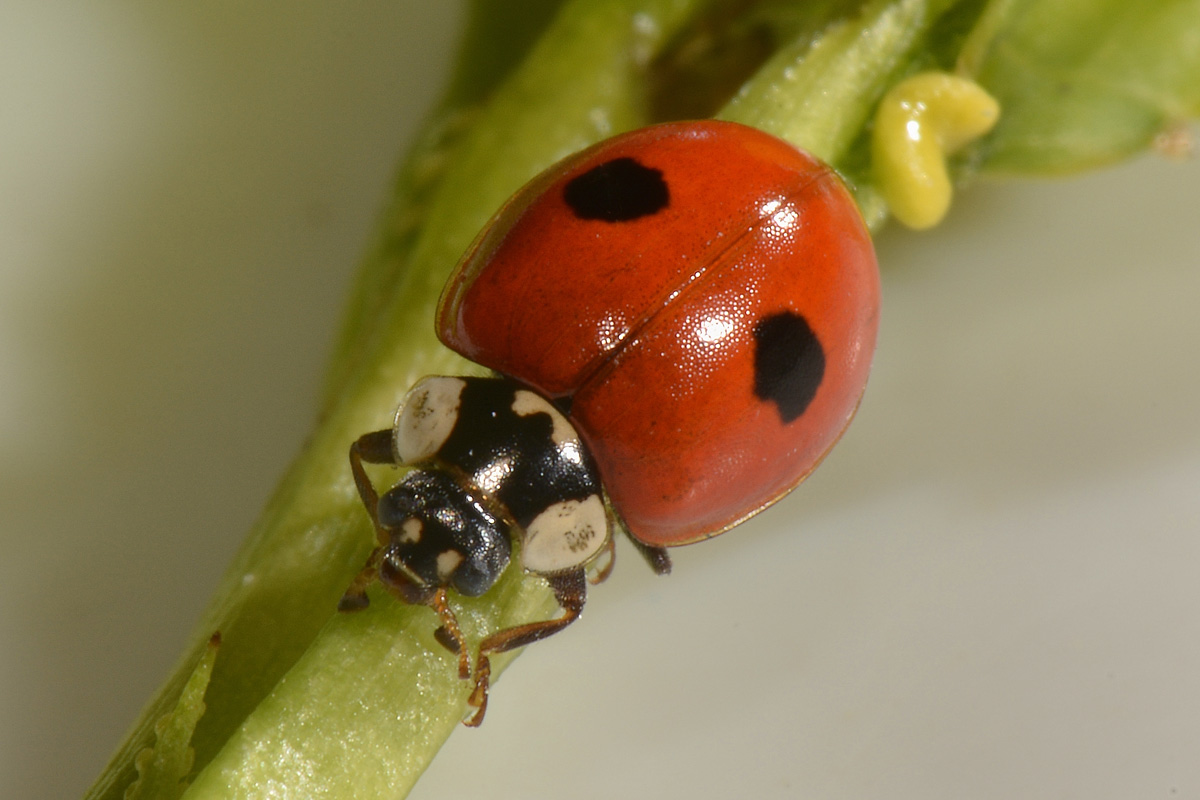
x,y
526,403
426,418
447,562
565,535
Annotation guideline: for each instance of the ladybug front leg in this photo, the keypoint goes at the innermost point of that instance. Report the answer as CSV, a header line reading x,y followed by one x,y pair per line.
x,y
570,589
449,635
372,448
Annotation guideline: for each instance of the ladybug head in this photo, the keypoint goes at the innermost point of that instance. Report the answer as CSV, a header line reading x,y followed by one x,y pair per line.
x,y
440,536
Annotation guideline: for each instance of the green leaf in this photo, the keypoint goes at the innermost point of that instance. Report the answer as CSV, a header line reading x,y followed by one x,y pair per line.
x,y
163,768
1086,84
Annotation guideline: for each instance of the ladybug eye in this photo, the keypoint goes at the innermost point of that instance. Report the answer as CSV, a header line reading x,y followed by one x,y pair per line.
x,y
620,190
789,363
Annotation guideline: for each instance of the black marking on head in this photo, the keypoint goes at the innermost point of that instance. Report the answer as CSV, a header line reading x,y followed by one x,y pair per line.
x,y
451,521
620,190
789,363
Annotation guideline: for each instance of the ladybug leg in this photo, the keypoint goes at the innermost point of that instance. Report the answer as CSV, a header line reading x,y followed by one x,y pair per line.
x,y
570,589
449,635
355,598
610,551
373,448
656,557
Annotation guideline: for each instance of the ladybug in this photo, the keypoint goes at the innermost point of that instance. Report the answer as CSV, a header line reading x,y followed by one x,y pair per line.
x,y
681,321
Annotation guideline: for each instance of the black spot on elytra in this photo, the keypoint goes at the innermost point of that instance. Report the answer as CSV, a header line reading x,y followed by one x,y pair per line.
x,y
789,363
617,191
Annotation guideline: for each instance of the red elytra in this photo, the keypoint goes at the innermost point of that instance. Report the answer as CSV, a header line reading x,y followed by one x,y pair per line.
x,y
701,297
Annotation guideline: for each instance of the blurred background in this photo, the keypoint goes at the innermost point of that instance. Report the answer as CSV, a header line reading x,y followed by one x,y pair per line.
x,y
989,590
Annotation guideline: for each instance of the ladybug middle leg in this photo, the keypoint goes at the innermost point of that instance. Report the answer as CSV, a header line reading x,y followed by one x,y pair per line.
x,y
570,589
609,553
656,557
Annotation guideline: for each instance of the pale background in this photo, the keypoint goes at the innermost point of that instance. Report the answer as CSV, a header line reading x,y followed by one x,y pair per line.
x,y
989,591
